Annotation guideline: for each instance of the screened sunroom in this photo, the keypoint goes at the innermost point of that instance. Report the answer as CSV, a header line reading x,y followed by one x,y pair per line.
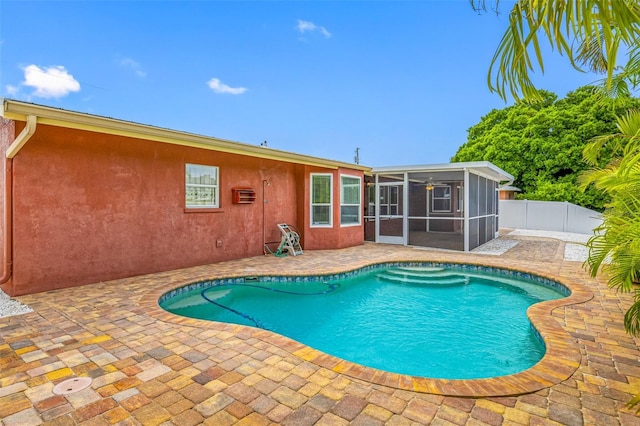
x,y
450,206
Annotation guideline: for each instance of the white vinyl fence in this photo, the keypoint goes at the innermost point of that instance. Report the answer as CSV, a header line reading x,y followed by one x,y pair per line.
x,y
548,216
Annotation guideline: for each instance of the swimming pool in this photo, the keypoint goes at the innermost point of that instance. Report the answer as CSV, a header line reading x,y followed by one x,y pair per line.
x,y
430,320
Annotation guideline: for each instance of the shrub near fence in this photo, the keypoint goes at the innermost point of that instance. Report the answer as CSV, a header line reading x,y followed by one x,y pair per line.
x,y
548,216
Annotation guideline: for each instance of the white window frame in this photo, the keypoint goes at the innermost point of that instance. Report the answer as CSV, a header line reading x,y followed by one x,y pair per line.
x,y
460,207
216,187
343,204
329,204
433,198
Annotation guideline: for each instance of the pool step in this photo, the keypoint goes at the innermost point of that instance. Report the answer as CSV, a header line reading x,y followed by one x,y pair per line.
x,y
197,299
425,269
187,302
414,272
451,279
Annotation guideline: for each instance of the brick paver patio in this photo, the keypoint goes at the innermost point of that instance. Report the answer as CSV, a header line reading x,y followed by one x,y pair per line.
x,y
152,368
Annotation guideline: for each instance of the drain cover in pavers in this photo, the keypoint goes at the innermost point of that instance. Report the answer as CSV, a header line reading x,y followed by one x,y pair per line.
x,y
72,385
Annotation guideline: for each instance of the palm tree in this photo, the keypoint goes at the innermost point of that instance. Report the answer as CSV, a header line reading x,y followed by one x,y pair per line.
x,y
615,246
591,34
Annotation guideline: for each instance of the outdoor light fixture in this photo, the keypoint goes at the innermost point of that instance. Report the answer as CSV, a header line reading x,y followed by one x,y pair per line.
x,y
429,184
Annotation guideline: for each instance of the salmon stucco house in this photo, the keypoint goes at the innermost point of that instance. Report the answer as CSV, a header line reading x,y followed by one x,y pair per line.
x,y
88,199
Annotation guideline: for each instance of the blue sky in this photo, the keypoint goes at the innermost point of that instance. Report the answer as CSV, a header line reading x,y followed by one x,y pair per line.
x,y
401,80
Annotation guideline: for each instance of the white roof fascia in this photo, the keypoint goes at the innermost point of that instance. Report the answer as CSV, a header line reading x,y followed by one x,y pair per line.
x,y
482,167
46,115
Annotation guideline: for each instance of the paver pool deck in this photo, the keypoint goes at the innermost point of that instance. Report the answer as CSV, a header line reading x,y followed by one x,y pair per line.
x,y
149,367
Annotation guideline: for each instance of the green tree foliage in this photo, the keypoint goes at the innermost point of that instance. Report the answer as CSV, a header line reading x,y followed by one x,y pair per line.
x,y
541,143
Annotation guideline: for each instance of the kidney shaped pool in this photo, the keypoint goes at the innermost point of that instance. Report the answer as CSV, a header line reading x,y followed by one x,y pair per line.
x,y
431,320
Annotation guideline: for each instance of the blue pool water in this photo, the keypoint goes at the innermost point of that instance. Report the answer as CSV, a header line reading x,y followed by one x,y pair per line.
x,y
420,320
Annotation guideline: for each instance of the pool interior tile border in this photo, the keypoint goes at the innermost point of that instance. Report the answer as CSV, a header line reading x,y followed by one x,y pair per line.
x,y
562,356
214,282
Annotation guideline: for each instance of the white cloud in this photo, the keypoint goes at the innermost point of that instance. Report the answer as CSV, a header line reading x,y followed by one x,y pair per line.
x,y
219,87
304,26
11,90
133,66
52,82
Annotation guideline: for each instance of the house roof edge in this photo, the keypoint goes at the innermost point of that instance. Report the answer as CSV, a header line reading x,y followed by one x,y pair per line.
x,y
19,110
482,166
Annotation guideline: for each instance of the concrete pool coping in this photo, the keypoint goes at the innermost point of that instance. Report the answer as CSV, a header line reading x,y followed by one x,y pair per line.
x,y
561,359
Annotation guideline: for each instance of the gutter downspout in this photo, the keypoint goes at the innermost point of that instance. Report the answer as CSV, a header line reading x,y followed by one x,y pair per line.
x,y
7,253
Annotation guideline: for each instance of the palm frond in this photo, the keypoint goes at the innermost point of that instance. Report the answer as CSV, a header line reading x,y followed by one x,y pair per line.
x,y
626,141
588,33
632,317
634,402
591,56
629,124
592,151
617,87
616,246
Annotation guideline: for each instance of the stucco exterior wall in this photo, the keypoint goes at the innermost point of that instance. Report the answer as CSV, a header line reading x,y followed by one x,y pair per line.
x,y
92,207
